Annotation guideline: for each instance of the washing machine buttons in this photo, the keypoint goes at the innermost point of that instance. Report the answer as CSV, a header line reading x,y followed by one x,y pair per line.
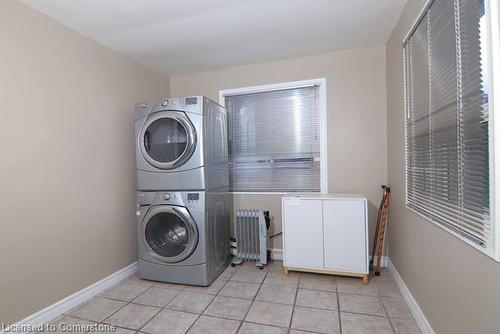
x,y
166,196
164,103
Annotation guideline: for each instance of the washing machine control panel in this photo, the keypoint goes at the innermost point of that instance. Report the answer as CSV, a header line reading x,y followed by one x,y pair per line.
x,y
180,198
169,197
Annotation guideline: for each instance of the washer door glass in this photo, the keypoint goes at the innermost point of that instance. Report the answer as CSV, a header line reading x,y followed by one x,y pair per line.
x,y
169,236
165,140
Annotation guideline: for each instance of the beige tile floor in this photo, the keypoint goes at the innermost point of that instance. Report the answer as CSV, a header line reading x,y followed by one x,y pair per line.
x,y
247,300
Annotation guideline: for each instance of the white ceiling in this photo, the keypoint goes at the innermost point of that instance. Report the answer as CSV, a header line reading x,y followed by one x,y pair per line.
x,y
183,36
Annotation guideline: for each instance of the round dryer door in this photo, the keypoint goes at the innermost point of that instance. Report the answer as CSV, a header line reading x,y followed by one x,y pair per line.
x,y
169,233
167,139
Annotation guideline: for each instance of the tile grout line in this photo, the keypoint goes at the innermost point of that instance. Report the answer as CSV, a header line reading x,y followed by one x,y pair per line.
x,y
218,294
128,303
220,317
180,291
338,306
123,301
198,315
141,327
110,315
387,314
367,314
161,309
226,280
252,303
268,325
294,304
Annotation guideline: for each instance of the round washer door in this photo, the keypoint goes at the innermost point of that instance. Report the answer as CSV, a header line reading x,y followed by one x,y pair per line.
x,y
169,233
167,139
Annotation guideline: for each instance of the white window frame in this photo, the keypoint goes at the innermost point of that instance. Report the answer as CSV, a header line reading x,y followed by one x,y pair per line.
x,y
321,83
493,53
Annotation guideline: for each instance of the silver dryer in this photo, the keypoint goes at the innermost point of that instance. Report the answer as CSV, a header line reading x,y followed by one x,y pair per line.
x,y
181,144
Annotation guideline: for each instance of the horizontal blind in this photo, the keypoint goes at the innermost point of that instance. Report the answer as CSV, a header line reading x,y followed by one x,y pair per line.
x,y
274,142
447,169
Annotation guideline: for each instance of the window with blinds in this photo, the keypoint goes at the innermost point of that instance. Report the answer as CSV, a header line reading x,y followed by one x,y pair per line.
x,y
447,111
274,140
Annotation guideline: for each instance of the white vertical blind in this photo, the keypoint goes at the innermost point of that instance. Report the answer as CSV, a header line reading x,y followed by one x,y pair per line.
x,y
274,140
447,147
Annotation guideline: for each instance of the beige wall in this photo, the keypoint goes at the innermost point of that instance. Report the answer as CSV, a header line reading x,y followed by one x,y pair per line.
x,y
356,116
67,177
457,287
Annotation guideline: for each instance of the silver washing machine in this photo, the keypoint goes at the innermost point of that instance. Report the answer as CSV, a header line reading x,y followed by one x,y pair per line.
x,y
183,237
181,144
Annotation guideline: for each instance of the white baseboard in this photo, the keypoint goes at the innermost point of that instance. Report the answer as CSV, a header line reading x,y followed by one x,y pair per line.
x,y
53,311
417,312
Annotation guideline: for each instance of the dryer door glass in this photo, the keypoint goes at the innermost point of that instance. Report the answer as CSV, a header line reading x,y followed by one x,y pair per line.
x,y
169,236
165,140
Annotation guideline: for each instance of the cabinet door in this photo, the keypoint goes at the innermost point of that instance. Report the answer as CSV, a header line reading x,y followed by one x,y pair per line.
x,y
303,233
345,235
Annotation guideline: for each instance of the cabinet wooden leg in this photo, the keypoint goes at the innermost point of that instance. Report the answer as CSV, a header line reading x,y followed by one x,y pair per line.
x,y
285,271
365,279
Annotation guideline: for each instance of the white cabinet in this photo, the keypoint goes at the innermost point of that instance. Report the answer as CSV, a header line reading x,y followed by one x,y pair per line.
x,y
326,233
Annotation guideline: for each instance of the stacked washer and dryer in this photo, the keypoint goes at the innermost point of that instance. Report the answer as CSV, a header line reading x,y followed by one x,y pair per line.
x,y
183,203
